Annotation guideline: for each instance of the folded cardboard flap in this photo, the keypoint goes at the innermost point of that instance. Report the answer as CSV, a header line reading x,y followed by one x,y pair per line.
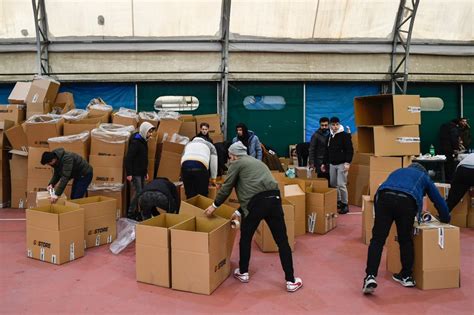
x,y
293,190
54,217
200,228
196,205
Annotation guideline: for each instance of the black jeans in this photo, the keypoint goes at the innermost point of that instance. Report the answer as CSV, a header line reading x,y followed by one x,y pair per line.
x,y
138,182
196,181
266,206
463,179
392,206
79,186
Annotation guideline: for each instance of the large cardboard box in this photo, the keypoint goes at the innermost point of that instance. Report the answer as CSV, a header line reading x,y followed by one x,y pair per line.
x,y
152,145
41,96
15,113
114,191
5,126
387,110
19,93
321,208
389,141
35,168
150,117
460,213
214,121
303,173
188,127
63,103
42,198
99,219
168,127
357,183
393,262
43,128
153,248
368,217
264,237
108,144
5,192
19,175
79,144
119,119
77,127
170,161
55,233
202,241
295,193
380,169
107,169
17,138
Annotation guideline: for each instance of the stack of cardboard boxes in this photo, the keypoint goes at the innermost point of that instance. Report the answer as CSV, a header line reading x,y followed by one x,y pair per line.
x,y
214,121
5,183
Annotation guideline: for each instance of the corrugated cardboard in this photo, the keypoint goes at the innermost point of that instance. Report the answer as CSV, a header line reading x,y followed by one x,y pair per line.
x,y
387,110
213,120
199,256
389,141
5,126
74,128
323,202
188,127
380,169
151,169
35,168
99,147
19,93
168,126
118,194
41,96
295,193
17,138
459,214
170,161
125,121
38,134
108,175
217,137
64,102
393,262
264,237
99,219
42,198
55,233
19,193
368,216
5,192
76,146
15,113
357,183
37,184
153,248
302,172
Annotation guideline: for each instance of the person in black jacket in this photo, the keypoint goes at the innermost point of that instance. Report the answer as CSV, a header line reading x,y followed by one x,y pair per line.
x,y
160,193
450,145
318,147
67,166
339,158
204,132
136,162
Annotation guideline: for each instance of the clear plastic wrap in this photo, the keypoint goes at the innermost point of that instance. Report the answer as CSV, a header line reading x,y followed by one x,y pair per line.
x,y
149,116
76,114
179,139
168,114
112,133
99,104
116,128
83,137
125,235
106,187
44,119
126,112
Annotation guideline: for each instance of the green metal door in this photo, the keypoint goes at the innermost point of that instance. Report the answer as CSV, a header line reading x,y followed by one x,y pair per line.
x,y
277,128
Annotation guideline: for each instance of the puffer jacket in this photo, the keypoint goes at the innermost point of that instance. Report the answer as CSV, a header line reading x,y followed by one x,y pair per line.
x,y
69,166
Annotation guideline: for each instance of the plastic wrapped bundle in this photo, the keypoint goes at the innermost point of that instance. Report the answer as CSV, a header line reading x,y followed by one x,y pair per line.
x,y
76,114
44,119
125,235
98,104
168,114
118,135
105,187
82,137
149,116
178,139
126,112
116,128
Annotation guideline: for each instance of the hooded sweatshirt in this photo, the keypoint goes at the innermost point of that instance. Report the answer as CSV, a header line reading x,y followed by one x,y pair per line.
x,y
340,148
136,161
251,141
201,151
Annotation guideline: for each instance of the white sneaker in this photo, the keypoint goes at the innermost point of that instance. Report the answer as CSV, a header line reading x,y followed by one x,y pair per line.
x,y
242,277
294,286
369,284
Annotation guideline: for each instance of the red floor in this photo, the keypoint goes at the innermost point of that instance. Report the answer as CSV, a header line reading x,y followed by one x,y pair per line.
x,y
331,266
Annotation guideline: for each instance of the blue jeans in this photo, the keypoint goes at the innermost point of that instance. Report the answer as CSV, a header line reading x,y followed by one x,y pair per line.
x,y
79,186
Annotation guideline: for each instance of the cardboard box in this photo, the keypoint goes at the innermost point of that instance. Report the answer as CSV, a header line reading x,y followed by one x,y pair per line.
x,y
188,127
295,193
79,144
19,93
459,215
302,172
114,191
202,241
368,217
38,133
64,102
151,170
74,128
19,193
108,145
170,161
37,184
264,237
169,127
17,138
55,233
381,167
150,117
357,183
35,169
42,198
393,262
5,125
387,110
217,137
321,206
15,113
389,141
214,121
152,145
41,96
125,121
99,219
108,175
153,248
5,192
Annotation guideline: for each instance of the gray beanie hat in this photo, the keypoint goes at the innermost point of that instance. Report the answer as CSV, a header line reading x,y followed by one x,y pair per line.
x,y
238,149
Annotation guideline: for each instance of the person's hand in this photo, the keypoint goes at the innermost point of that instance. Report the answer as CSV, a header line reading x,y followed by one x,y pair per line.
x,y
323,168
346,166
50,187
213,181
311,166
146,176
210,210
53,198
129,178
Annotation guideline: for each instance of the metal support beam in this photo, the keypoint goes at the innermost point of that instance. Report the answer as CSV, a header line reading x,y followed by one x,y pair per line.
x,y
225,22
42,42
402,32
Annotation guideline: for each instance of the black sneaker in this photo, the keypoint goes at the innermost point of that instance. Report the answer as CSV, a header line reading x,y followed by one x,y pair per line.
x,y
369,284
344,209
404,281
339,205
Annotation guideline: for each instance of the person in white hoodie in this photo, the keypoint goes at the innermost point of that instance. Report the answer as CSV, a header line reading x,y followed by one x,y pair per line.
x,y
198,164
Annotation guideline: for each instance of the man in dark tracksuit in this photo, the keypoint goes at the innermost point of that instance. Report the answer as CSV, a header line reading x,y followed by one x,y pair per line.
x,y
67,166
160,193
318,147
136,163
400,199
259,199
450,145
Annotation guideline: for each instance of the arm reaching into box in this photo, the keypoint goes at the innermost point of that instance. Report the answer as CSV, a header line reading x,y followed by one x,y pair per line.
x,y
229,183
438,201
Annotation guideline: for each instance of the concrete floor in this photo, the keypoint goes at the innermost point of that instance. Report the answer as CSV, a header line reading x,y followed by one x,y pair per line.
x,y
331,266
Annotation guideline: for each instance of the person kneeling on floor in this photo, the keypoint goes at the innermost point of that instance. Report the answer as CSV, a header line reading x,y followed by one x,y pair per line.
x,y
400,199
259,199
67,166
159,193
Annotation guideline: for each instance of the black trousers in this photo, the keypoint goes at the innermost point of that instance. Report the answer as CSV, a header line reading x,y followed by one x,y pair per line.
x,y
463,179
196,181
266,206
392,206
449,167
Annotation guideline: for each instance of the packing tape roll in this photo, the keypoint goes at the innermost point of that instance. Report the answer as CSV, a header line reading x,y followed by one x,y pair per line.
x,y
235,224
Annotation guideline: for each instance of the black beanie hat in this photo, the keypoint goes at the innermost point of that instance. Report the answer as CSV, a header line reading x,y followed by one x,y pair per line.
x,y
334,120
47,157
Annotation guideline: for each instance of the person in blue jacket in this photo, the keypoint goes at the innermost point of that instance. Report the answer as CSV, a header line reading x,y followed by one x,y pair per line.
x,y
400,199
249,140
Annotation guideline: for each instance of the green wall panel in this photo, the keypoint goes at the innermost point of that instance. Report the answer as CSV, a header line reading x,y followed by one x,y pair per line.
x,y
275,128
432,121
206,92
468,100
